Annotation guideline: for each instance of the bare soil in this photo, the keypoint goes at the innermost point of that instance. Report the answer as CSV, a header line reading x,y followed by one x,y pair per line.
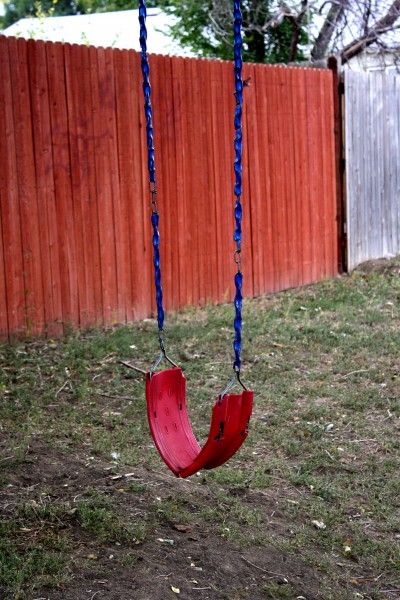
x,y
199,563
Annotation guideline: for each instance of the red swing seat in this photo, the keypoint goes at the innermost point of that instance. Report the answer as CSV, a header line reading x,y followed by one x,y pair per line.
x,y
173,434
166,390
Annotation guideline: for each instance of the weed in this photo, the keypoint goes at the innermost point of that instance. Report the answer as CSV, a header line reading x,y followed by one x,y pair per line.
x,y
278,590
34,547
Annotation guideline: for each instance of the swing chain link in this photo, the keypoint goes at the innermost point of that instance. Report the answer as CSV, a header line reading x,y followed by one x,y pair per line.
x,y
161,340
237,344
238,302
151,168
153,202
237,257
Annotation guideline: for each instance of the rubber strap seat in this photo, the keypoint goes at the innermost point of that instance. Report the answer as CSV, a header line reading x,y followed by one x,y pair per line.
x,y
172,432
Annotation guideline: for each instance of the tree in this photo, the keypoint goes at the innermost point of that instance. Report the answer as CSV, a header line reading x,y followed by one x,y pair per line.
x,y
276,31
331,23
206,27
351,26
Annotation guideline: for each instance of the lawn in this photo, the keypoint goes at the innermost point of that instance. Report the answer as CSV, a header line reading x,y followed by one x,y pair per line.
x,y
309,508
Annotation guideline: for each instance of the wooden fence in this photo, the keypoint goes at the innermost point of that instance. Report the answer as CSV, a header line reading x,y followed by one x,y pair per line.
x,y
372,133
75,238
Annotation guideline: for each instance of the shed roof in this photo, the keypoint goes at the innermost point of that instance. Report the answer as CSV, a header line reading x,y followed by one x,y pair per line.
x,y
113,29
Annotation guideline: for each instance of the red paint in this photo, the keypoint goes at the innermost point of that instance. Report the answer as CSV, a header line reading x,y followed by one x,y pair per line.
x,y
75,217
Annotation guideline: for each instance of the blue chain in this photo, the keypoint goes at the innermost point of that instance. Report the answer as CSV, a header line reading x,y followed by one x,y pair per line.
x,y
238,302
147,91
151,167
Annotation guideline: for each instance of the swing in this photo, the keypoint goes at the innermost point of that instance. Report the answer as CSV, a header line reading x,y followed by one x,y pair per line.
x,y
166,389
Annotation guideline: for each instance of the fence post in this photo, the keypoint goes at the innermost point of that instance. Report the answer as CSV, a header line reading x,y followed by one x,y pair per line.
x,y
338,92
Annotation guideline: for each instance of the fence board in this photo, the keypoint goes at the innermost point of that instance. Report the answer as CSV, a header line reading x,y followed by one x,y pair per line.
x,y
120,232
329,167
302,178
224,170
210,241
80,139
126,173
314,167
253,188
3,293
200,181
277,173
86,151
395,139
78,133
298,175
183,181
377,227
14,300
27,191
142,226
194,176
91,213
101,83
372,109
133,183
44,166
260,205
218,154
182,190
320,187
191,177
160,81
62,184
391,143
247,256
289,217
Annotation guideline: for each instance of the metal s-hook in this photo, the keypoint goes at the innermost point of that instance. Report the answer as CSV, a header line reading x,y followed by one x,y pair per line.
x,y
235,378
163,354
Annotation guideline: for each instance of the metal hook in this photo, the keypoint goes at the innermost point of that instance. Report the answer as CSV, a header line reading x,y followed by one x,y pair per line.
x,y
231,383
154,367
159,359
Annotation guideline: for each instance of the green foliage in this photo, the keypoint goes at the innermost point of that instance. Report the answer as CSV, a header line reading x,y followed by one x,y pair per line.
x,y
197,27
194,28
212,36
278,42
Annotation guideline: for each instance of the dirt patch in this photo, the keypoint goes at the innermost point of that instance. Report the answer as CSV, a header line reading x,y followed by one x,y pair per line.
x,y
177,555
382,265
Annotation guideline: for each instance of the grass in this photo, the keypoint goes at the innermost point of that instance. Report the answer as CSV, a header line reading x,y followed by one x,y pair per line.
x,y
32,547
324,446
